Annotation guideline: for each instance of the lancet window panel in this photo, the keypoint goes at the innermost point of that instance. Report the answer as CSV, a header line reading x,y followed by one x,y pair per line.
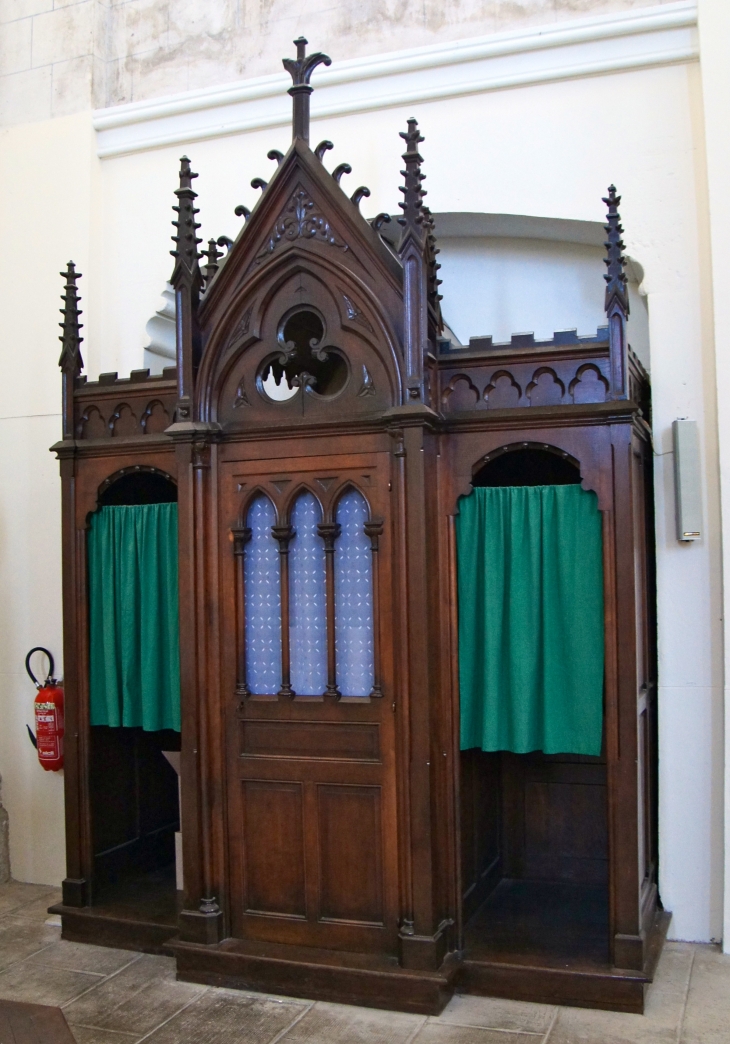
x,y
262,601
354,630
307,599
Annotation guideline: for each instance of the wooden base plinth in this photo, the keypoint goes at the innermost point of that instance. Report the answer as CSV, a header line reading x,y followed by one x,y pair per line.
x,y
610,990
347,978
140,913
548,941
103,927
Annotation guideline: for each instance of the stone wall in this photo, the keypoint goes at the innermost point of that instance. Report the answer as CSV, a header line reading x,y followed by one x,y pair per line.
x,y
4,847
58,57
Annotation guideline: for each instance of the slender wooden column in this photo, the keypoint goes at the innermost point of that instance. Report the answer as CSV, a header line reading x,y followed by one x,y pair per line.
x,y
373,531
284,535
240,538
329,531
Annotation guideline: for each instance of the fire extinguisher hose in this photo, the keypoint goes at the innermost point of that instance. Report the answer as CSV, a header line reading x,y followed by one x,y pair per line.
x,y
49,677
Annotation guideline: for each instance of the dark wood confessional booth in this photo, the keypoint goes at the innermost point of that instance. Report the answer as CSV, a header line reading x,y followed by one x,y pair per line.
x,y
319,435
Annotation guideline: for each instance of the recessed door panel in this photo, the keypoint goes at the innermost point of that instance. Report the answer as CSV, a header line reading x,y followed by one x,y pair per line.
x,y
350,854
274,876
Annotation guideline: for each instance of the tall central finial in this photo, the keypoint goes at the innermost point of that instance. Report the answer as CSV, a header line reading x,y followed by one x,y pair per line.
x,y
300,72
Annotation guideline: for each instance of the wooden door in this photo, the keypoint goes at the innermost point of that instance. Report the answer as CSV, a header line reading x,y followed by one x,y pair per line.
x,y
311,776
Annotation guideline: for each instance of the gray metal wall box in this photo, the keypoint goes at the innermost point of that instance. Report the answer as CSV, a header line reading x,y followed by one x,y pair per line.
x,y
687,489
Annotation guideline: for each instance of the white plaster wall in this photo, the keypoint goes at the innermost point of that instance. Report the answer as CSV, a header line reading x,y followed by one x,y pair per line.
x,y
547,150
46,173
501,286
714,28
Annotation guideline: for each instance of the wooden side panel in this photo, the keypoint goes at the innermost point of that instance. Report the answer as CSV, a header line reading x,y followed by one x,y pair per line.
x,y
481,814
350,854
274,878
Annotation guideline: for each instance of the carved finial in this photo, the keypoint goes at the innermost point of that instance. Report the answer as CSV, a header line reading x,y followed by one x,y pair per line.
x,y
186,242
213,255
359,194
413,193
242,211
616,289
225,241
70,362
324,146
340,169
300,71
274,154
259,183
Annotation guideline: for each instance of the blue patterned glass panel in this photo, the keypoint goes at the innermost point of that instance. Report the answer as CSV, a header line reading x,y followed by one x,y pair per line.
x,y
353,599
263,601
307,600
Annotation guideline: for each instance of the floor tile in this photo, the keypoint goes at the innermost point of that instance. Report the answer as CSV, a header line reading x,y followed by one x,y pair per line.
x,y
495,1013
135,1000
707,1018
227,1017
442,1033
37,910
343,1024
38,985
14,894
658,1025
20,939
102,960
91,1035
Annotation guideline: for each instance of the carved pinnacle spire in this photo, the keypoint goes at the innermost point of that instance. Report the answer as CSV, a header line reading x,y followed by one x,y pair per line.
x,y
413,193
434,297
186,242
617,299
70,362
616,290
300,70
188,281
212,256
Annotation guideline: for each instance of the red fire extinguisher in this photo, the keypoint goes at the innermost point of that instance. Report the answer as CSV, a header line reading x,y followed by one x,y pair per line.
x,y
48,739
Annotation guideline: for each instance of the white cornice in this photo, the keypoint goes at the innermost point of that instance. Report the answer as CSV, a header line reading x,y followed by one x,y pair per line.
x,y
646,37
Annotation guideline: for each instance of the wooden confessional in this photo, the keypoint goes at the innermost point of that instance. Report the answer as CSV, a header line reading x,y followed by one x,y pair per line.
x,y
318,433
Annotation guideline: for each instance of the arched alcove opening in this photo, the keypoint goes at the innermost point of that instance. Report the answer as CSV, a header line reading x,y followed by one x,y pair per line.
x,y
133,762
534,823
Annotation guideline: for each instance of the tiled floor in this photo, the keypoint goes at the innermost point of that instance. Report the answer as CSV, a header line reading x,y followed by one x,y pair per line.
x,y
118,997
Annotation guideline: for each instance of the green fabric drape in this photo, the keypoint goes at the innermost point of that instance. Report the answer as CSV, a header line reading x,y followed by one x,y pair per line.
x,y
530,585
134,661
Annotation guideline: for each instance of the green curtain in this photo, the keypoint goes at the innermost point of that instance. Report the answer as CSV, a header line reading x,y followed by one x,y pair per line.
x,y
134,656
530,584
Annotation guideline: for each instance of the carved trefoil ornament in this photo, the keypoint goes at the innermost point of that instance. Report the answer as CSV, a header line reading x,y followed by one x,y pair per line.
x,y
299,220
